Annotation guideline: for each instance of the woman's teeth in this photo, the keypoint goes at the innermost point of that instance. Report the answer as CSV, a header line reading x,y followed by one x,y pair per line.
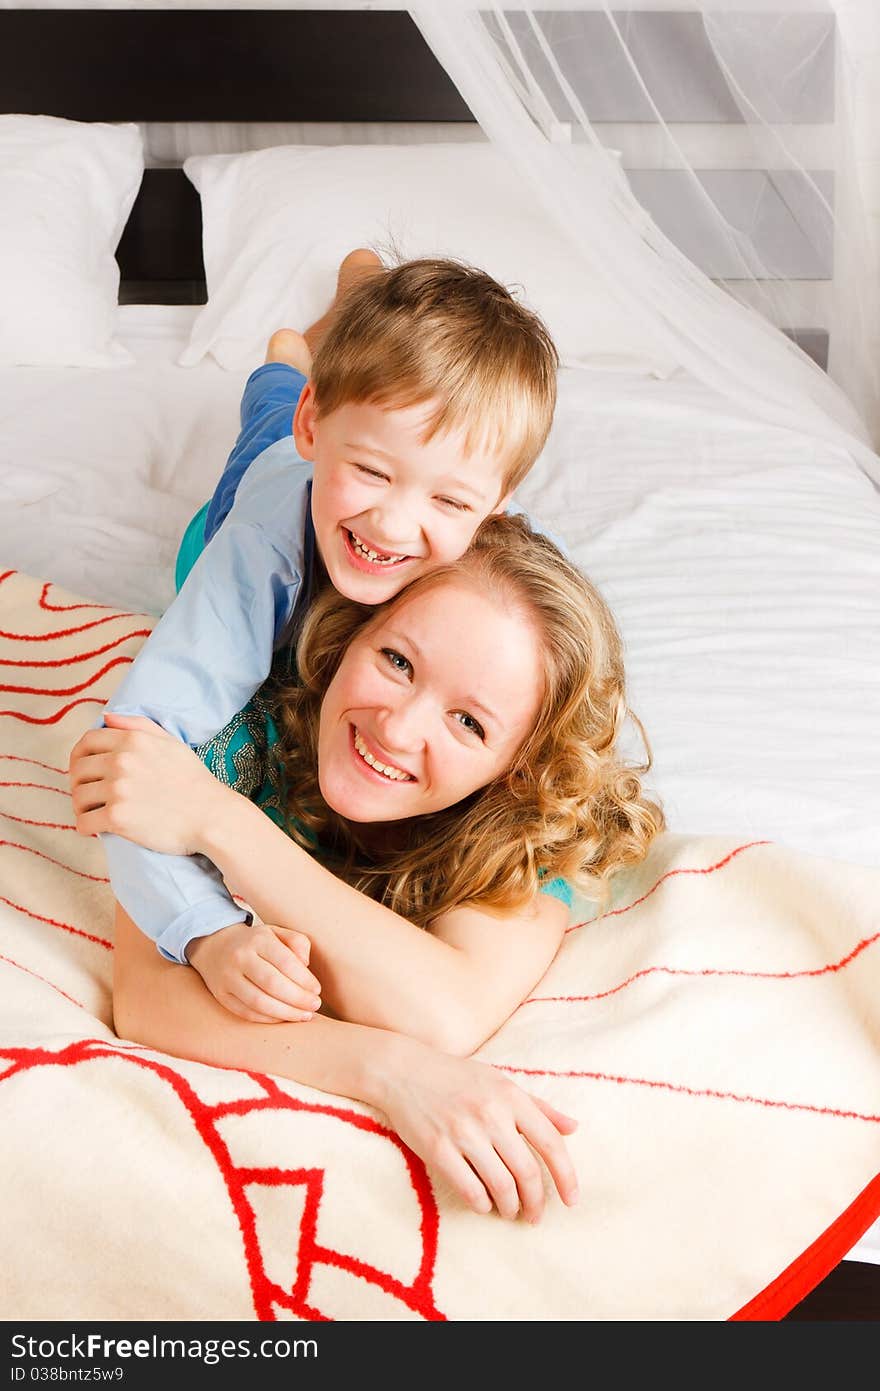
x,y
363,549
395,774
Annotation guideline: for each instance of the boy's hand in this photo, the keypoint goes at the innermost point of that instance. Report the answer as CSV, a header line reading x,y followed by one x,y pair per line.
x,y
258,972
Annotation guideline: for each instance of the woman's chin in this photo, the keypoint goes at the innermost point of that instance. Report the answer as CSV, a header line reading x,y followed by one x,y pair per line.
x,y
351,803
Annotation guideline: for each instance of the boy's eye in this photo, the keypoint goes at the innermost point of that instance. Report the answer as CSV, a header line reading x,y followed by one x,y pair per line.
x,y
470,724
371,472
455,504
397,660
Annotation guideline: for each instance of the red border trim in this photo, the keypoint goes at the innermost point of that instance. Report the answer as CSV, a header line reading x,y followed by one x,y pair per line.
x,y
803,1275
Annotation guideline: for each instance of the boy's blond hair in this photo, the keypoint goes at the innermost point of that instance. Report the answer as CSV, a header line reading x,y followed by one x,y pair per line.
x,y
442,331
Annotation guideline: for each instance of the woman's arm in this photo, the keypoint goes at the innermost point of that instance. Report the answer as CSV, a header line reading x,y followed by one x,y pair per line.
x,y
479,1130
451,988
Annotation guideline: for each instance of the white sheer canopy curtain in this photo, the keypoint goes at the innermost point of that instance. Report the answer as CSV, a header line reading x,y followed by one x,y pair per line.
x,y
732,120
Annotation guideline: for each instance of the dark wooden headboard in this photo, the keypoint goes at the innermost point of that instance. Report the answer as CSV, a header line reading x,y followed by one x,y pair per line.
x,y
212,65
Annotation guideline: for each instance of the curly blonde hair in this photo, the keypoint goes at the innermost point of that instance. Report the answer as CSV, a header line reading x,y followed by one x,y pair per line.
x,y
568,805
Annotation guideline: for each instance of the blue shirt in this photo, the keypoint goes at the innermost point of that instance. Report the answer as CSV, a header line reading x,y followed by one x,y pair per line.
x,y
212,649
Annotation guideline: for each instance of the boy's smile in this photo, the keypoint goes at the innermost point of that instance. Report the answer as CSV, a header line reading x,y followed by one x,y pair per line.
x,y
387,504
369,558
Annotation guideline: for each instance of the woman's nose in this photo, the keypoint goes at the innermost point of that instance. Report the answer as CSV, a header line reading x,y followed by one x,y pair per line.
x,y
402,726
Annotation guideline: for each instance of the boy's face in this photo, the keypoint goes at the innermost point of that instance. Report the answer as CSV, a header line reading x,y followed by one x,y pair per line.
x,y
387,506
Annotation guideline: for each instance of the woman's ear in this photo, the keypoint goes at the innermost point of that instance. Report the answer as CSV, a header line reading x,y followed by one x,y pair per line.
x,y
501,505
305,422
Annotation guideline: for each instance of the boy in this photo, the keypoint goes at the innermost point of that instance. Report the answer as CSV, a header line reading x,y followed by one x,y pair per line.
x,y
431,395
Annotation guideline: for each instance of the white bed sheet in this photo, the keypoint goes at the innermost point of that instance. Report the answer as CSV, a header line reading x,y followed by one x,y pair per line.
x,y
742,562
101,470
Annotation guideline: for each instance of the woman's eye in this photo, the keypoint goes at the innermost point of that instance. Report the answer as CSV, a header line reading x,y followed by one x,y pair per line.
x,y
397,660
470,724
454,504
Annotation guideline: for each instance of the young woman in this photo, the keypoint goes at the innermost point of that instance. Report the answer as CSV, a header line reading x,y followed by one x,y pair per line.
x,y
446,762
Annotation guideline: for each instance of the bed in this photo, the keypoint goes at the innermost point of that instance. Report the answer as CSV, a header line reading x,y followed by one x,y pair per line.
x,y
721,1050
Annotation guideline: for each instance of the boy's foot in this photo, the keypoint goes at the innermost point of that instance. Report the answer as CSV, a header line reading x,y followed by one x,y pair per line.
x,y
286,345
357,265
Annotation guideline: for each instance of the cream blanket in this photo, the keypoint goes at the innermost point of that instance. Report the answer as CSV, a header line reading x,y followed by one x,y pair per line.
x,y
717,1033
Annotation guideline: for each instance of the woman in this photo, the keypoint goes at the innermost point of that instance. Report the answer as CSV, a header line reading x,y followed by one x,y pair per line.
x,y
451,756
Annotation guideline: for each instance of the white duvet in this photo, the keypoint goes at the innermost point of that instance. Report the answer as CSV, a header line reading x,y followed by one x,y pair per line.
x,y
742,562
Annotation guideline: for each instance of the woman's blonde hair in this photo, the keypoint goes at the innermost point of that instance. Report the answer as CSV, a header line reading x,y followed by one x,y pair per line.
x,y
441,331
568,805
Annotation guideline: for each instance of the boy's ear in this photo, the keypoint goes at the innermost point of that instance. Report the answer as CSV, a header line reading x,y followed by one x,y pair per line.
x,y
305,422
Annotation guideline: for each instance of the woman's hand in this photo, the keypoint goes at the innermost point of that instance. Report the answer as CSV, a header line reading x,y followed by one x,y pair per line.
x,y
134,779
482,1132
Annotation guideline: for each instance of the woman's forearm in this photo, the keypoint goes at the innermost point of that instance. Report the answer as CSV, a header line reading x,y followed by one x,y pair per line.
x,y
374,966
167,1006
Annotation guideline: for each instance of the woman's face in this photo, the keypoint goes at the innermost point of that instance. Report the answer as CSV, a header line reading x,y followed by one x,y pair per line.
x,y
430,703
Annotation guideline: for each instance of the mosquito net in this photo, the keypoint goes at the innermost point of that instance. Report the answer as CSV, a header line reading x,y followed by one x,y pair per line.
x,y
730,220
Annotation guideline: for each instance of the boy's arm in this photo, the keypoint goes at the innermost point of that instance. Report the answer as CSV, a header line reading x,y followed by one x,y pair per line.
x,y
206,657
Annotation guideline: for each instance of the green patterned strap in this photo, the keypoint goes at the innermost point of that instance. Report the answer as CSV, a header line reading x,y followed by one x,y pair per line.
x,y
240,756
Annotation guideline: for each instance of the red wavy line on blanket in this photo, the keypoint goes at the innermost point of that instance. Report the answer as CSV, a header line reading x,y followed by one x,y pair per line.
x,y
67,632
68,690
47,825
828,969
50,767
670,874
266,1293
684,1090
42,786
68,608
53,922
59,714
31,850
79,657
36,975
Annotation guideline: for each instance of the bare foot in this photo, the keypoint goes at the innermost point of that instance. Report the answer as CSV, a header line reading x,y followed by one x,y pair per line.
x,y
286,345
357,265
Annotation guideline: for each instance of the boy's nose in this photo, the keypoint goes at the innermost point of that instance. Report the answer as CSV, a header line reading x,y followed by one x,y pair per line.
x,y
393,527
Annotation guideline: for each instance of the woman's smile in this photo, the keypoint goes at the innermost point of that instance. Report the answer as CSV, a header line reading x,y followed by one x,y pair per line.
x,y
372,762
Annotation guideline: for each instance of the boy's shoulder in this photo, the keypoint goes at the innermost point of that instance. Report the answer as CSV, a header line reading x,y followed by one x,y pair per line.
x,y
273,502
275,493
278,466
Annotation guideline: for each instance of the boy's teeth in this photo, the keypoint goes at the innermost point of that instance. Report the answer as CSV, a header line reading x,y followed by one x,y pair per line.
x,y
359,545
394,773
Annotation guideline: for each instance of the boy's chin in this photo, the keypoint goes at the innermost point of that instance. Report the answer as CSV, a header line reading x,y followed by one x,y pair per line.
x,y
371,589
366,586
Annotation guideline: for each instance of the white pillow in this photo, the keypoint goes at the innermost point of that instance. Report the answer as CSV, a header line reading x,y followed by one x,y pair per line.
x,y
66,190
277,222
